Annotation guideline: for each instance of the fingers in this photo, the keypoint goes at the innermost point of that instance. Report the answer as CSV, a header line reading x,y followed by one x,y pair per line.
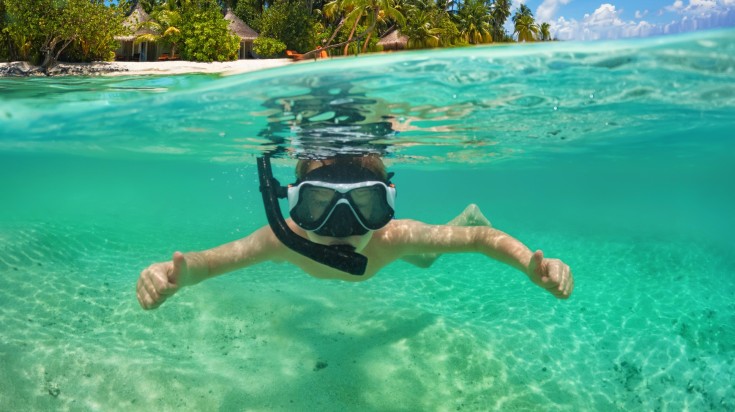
x,y
558,279
153,286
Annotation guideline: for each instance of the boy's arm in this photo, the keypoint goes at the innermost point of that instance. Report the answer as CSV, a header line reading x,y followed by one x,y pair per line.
x,y
417,237
161,280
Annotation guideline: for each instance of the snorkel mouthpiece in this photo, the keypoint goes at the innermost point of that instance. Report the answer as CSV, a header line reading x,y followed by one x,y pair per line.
x,y
340,257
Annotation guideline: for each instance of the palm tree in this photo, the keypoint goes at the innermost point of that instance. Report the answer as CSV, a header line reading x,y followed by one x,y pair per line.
x,y
498,16
545,33
522,11
526,28
420,29
358,8
474,22
382,10
354,10
162,26
350,10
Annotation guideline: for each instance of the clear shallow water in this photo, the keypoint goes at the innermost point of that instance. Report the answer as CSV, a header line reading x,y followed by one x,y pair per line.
x,y
629,180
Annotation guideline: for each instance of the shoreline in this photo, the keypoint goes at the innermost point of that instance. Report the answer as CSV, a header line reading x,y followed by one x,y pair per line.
x,y
119,68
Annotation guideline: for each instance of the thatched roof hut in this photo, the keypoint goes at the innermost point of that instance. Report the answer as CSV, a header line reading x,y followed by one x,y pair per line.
x,y
132,23
393,40
238,27
128,50
243,31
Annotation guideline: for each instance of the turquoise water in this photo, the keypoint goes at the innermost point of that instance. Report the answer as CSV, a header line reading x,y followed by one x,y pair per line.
x,y
618,158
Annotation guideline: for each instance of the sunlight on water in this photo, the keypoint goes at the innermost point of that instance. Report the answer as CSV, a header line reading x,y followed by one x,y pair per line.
x,y
616,157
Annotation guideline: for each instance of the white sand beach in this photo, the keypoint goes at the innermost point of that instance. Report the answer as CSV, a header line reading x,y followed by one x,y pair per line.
x,y
170,67
184,67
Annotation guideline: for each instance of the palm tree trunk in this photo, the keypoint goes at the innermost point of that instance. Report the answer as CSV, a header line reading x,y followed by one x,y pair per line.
x,y
354,27
367,41
376,13
339,26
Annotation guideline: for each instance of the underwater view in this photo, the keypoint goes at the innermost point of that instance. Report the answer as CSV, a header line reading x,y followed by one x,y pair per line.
x,y
616,157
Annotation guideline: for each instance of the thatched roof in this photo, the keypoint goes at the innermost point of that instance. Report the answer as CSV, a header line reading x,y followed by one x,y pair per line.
x,y
393,40
239,27
133,21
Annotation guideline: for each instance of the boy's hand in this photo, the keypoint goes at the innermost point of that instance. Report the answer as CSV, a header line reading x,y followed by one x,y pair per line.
x,y
159,281
551,274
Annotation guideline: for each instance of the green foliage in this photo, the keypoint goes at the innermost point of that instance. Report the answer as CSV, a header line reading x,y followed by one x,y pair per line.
x,y
46,28
5,42
354,14
84,30
206,34
474,22
366,43
97,40
431,27
449,34
291,23
526,28
249,11
267,47
545,31
522,11
419,28
165,27
498,16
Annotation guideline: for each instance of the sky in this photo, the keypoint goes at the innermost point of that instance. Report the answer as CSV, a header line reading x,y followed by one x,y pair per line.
x,y
617,19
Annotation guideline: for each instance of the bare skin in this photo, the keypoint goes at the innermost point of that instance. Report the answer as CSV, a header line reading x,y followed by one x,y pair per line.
x,y
470,216
411,240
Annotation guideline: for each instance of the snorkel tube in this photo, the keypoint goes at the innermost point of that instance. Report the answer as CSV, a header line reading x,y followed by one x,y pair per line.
x,y
340,257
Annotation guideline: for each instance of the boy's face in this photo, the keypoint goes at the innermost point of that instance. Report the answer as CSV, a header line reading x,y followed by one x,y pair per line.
x,y
339,202
357,242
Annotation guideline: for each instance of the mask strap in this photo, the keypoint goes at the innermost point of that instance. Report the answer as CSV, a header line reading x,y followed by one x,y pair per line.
x,y
340,257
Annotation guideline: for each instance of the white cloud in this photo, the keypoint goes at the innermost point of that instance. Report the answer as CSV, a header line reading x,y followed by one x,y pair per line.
x,y
700,14
548,8
606,22
678,5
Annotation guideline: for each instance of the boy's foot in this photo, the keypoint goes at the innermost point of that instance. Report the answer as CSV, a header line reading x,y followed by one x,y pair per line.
x,y
470,216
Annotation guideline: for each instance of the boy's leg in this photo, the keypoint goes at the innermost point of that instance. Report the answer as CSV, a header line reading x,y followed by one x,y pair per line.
x,y
470,216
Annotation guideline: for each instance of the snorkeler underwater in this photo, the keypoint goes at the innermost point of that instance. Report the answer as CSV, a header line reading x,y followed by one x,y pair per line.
x,y
341,207
542,227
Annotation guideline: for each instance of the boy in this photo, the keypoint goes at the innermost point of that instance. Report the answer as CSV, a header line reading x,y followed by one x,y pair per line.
x,y
347,202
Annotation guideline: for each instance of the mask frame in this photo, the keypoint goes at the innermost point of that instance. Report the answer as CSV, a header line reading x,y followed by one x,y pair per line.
x,y
340,257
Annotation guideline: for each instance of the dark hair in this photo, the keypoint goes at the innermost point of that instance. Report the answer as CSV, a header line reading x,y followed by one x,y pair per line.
x,y
371,162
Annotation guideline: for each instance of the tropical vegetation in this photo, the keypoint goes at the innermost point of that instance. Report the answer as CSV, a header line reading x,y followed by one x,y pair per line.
x,y
44,31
